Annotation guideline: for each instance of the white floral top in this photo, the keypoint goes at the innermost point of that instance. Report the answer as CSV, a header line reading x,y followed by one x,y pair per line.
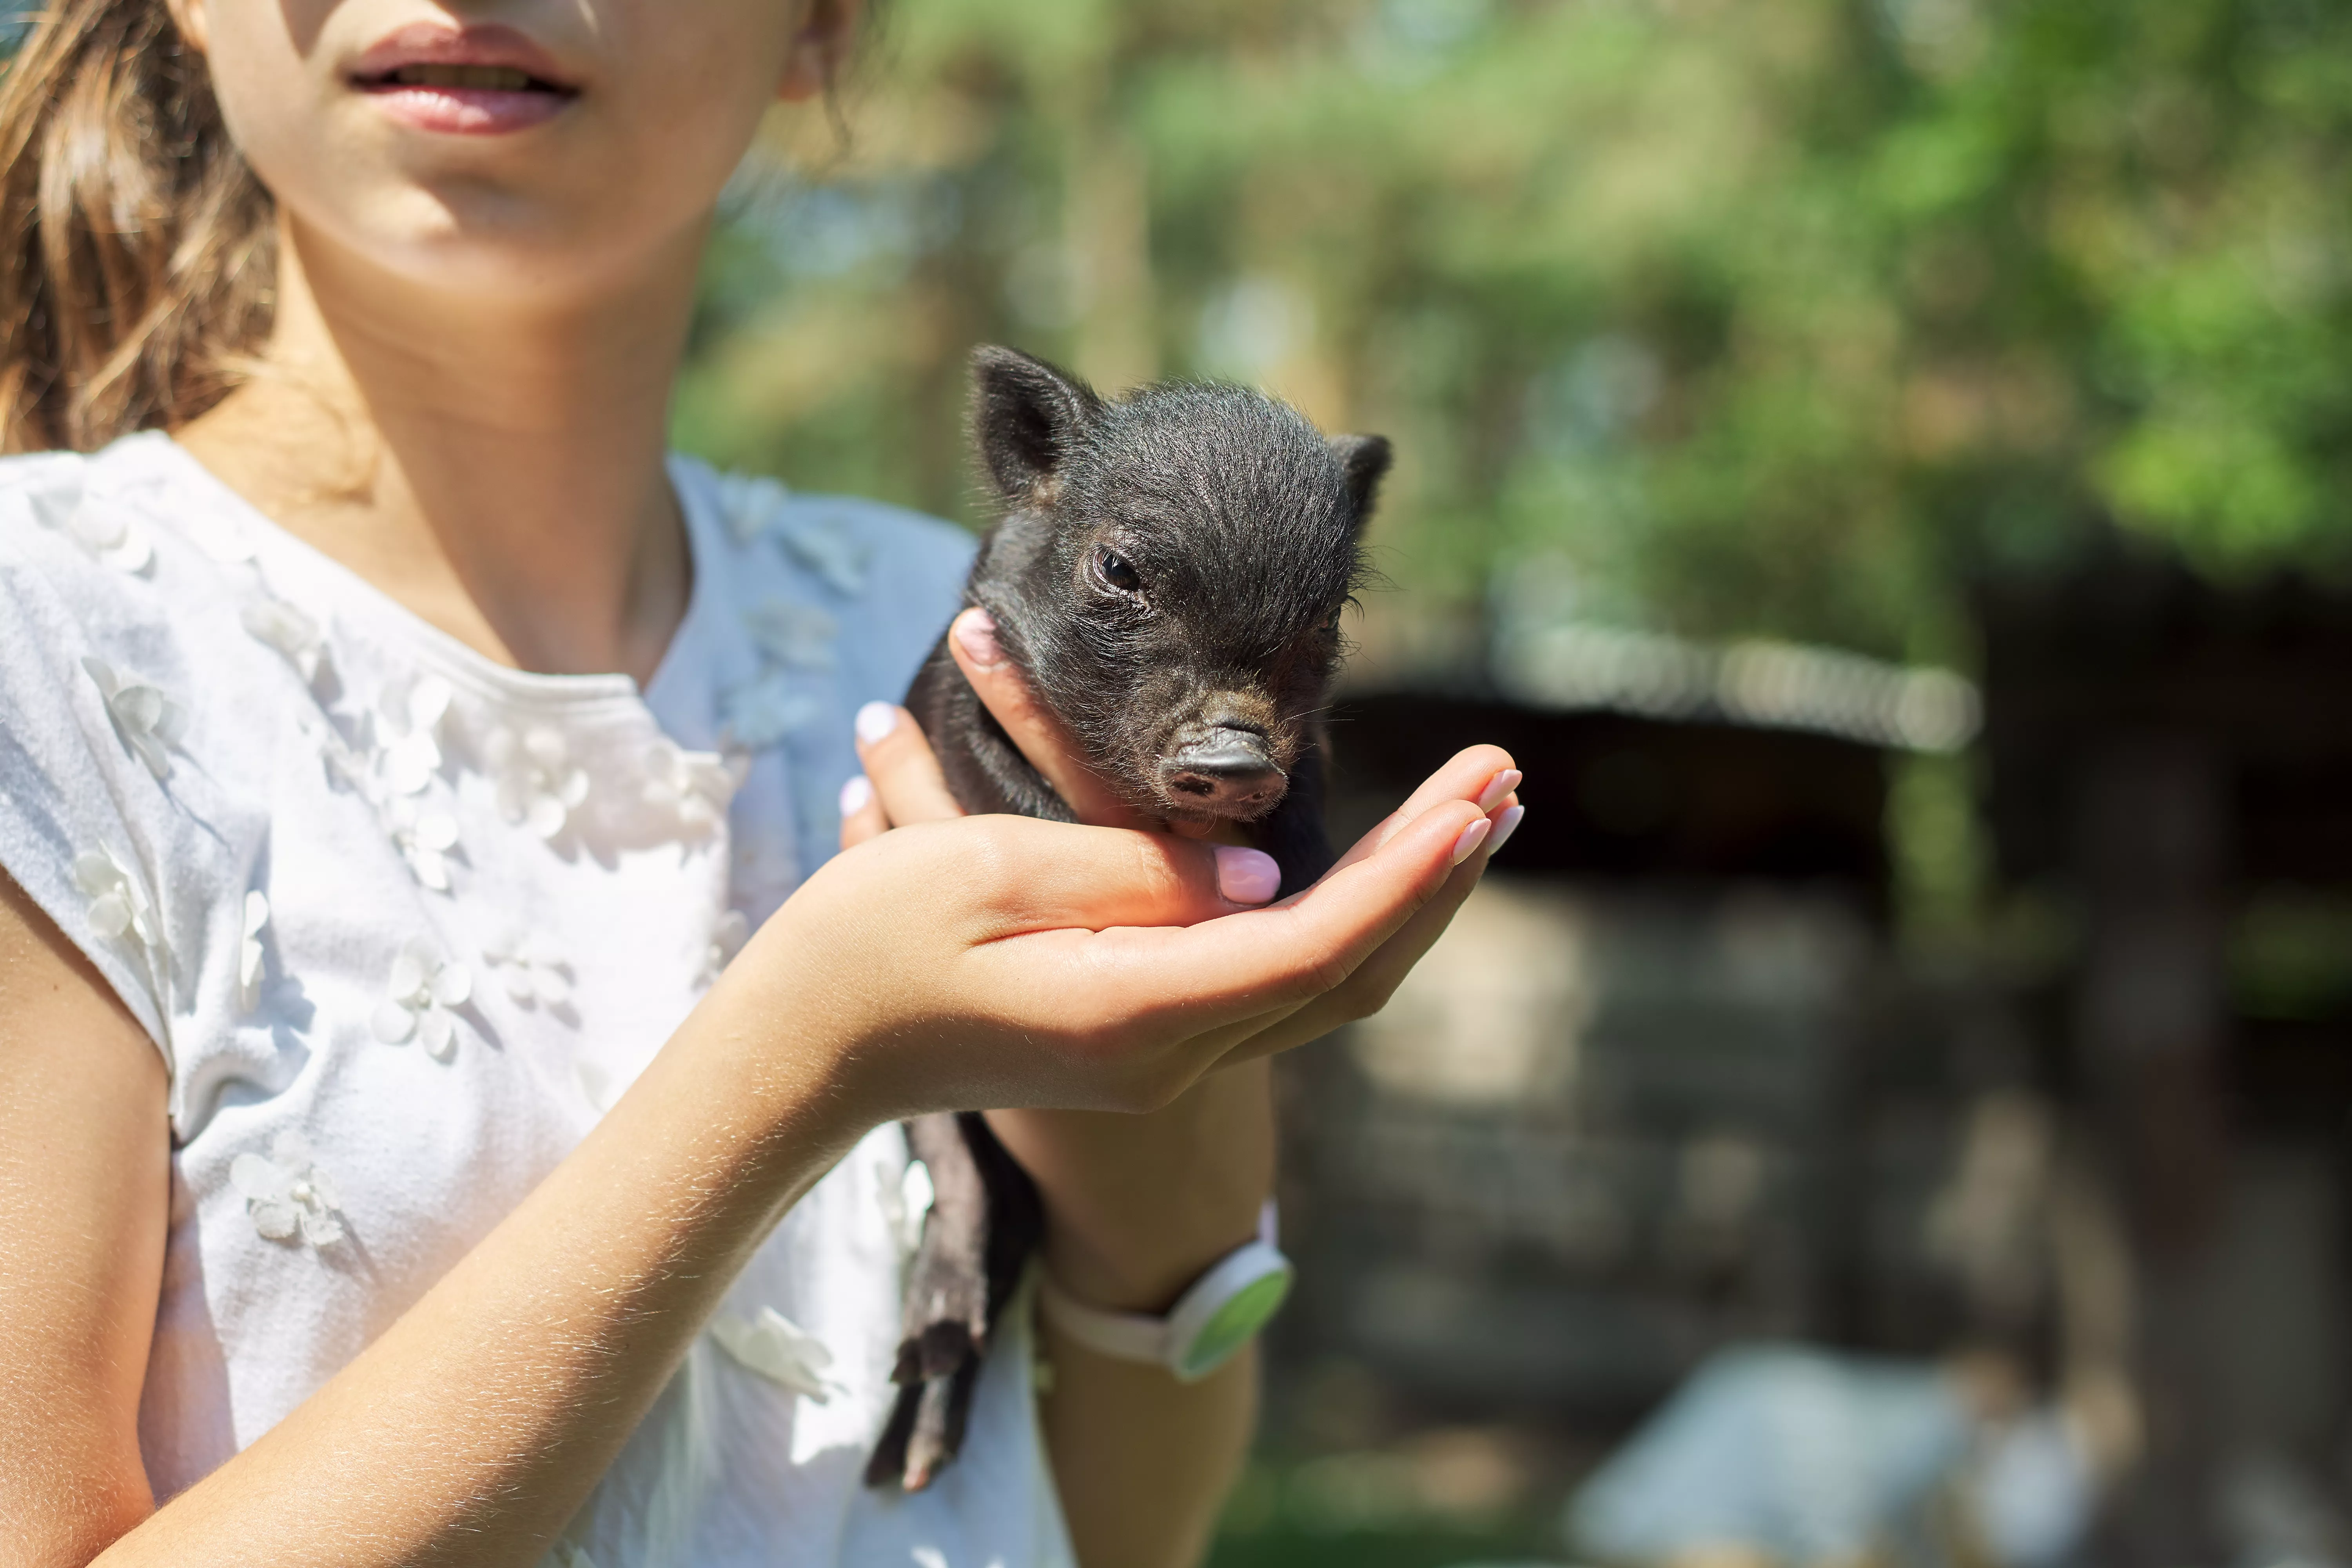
x,y
404,922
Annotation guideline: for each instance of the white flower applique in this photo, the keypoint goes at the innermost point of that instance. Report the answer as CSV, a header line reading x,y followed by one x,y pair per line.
x,y
837,556
249,953
293,633
56,496
532,967
749,503
906,1202
694,787
149,722
424,986
537,783
118,905
779,1350
346,768
406,732
795,639
225,539
424,835
110,536
289,1193
762,712
728,934
797,636
597,1084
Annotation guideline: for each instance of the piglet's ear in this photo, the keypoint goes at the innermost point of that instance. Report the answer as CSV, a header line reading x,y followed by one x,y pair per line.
x,y
1364,459
1026,417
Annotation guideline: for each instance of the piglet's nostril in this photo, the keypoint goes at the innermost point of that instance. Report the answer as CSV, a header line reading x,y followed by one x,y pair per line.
x,y
1226,769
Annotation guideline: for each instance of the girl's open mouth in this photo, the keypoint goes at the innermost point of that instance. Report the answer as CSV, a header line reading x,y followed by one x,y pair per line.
x,y
427,81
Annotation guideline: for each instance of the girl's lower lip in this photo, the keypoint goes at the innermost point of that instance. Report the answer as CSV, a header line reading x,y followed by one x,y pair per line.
x,y
467,110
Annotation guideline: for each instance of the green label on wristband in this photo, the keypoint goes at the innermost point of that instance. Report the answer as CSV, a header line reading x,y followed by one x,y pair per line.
x,y
1234,1325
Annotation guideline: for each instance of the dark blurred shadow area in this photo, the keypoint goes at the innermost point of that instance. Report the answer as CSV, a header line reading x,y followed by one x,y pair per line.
x,y
1881,465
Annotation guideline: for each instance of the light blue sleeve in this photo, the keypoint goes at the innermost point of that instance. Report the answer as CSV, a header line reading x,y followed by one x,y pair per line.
x,y
914,571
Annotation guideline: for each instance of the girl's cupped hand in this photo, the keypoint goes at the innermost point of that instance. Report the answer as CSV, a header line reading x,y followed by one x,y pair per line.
x,y
1001,961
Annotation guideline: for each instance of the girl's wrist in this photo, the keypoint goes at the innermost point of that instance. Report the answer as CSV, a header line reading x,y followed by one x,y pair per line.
x,y
1136,1207
785,1074
1148,1277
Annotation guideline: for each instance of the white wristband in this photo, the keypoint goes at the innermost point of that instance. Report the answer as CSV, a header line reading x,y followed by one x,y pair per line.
x,y
1223,1311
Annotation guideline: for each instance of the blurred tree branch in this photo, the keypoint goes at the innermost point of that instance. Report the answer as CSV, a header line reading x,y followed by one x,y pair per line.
x,y
1781,317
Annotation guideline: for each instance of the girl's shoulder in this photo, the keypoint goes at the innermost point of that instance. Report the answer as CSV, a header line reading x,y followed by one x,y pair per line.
x,y
126,566
109,562
126,670
102,504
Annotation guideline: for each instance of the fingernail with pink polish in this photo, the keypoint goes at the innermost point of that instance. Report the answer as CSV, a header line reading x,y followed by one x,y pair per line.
x,y
1499,787
1247,876
1472,837
876,720
976,629
855,794
1504,826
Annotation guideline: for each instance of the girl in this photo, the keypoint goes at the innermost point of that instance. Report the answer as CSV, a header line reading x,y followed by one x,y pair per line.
x,y
409,1158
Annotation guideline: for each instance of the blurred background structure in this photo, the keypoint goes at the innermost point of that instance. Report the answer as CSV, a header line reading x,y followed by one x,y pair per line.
x,y
1882,465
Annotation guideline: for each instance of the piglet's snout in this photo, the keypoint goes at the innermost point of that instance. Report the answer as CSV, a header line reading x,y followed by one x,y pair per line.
x,y
1222,769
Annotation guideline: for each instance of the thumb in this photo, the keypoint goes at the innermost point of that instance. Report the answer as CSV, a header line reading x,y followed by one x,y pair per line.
x,y
1005,690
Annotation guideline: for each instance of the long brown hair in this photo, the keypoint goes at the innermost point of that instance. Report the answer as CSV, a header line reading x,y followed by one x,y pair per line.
x,y
136,250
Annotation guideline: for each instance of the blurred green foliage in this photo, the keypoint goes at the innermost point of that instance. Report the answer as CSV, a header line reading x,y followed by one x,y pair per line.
x,y
2290,957
1752,316
1371,1511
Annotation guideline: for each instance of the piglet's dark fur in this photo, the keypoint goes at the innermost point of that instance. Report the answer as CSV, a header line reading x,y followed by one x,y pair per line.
x,y
1168,574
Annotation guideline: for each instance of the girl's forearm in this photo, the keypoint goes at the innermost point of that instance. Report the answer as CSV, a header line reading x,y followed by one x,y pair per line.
x,y
1137,1207
476,1425
1143,1461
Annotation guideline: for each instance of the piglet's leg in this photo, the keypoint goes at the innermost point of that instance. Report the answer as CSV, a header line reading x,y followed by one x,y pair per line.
x,y
986,1219
984,1223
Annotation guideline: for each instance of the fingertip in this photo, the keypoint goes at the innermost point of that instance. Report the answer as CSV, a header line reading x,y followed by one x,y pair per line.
x,y
876,720
856,795
975,633
1498,788
1485,757
1449,824
1507,822
1247,876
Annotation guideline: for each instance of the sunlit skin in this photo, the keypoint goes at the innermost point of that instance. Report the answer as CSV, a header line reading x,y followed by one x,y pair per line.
x,y
481,308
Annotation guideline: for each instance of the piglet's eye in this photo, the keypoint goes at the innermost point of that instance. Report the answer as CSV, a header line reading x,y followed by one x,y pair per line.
x,y
1116,571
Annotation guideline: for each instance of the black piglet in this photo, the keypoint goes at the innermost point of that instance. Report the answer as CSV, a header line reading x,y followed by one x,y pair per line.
x,y
1168,574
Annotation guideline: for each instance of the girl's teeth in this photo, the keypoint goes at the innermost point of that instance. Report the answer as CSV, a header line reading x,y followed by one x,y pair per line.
x,y
496,78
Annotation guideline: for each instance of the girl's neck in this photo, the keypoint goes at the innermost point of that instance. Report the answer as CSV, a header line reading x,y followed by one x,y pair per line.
x,y
495,467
